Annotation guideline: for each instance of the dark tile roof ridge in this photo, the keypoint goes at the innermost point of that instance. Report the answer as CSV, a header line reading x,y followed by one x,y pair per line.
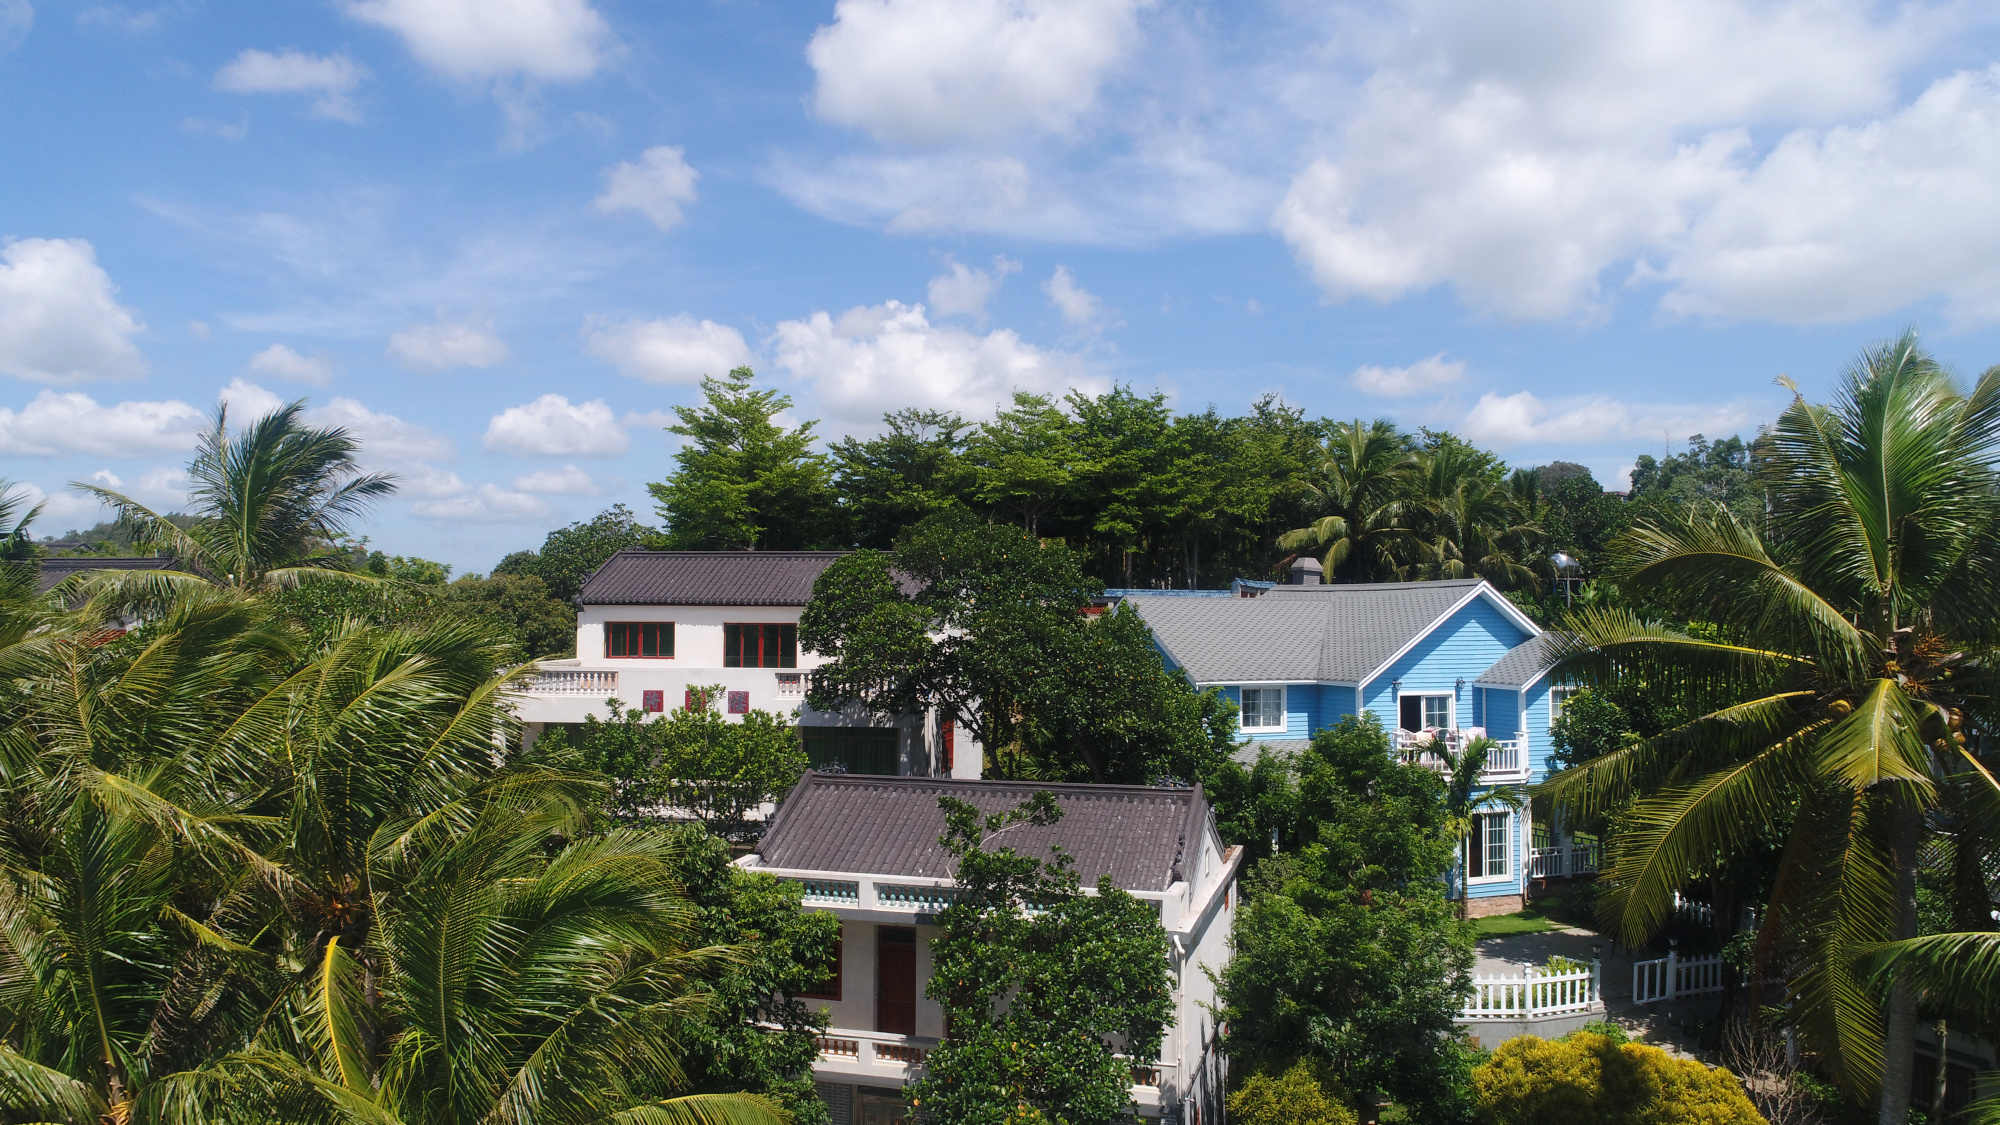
x,y
732,554
1105,788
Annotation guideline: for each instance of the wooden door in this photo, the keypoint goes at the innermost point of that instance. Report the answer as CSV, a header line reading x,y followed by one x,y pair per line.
x,y
896,980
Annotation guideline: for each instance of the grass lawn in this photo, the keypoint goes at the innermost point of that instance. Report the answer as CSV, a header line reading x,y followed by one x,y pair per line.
x,y
1529,921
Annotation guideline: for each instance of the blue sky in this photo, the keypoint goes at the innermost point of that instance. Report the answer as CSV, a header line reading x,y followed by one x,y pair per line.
x,y
501,238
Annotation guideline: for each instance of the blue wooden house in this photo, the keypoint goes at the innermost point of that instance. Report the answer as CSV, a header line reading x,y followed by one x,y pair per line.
x,y
1451,660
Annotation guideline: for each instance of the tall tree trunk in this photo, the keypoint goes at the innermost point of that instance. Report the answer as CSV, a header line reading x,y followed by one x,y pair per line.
x,y
1899,1039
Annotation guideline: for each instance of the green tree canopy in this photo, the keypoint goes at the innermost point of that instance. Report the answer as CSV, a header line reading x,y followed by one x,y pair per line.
x,y
570,554
1347,952
1830,695
741,481
889,483
1044,988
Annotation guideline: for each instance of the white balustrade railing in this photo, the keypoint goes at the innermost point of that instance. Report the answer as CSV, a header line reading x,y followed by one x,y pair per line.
x,y
1506,761
1534,994
874,1049
573,681
1672,977
1562,861
793,685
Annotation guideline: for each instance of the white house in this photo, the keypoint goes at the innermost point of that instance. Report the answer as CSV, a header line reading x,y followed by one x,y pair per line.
x,y
866,850
652,626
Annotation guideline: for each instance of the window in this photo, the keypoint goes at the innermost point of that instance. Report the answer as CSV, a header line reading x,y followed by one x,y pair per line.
x,y
1424,712
830,988
876,750
760,646
1559,698
1263,708
1489,849
639,640
949,737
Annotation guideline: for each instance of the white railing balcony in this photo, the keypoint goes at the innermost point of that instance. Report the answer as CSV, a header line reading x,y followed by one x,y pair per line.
x,y
896,1056
1671,977
1564,861
793,685
573,681
1535,994
1506,762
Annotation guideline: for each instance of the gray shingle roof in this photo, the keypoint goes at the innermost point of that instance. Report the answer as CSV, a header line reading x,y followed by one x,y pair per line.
x,y
55,570
1297,634
890,826
1523,664
706,578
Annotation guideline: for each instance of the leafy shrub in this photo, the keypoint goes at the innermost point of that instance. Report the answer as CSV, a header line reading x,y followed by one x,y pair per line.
x,y
1588,1079
1295,1097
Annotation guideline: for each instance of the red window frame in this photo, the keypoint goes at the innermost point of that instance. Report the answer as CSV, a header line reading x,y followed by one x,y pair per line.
x,y
831,989
760,644
950,749
622,635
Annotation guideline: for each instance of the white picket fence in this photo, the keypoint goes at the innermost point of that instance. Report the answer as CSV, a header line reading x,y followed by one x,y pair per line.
x,y
1534,994
1563,860
1671,978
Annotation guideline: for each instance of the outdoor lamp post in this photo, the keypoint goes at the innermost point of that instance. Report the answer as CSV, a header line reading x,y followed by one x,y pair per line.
x,y
1568,573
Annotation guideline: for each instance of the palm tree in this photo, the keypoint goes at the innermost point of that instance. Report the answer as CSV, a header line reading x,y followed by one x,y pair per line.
x,y
1462,796
1359,481
16,545
1465,523
1831,712
272,499
1958,976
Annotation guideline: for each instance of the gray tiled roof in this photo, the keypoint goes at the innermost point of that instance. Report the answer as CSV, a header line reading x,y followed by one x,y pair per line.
x,y
1523,664
1246,754
1297,634
890,826
706,578
55,570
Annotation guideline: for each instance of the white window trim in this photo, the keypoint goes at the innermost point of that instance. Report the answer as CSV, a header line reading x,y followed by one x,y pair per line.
x,y
1568,690
1450,708
1284,699
1465,859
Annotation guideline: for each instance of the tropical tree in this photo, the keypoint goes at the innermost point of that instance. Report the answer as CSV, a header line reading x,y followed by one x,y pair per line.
x,y
1852,626
1359,480
1465,522
272,501
16,545
742,481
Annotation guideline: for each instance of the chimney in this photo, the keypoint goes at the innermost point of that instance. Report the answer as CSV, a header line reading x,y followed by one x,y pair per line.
x,y
1305,572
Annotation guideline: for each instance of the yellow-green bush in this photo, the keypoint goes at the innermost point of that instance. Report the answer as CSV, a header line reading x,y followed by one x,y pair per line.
x,y
1295,1097
1587,1079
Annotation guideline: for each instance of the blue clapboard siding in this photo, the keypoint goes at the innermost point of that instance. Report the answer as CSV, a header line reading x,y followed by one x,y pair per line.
x,y
1303,712
1459,648
1537,727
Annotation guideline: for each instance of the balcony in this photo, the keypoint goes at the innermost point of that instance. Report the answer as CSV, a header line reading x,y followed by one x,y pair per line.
x,y
1506,763
1563,861
871,1055
573,681
793,685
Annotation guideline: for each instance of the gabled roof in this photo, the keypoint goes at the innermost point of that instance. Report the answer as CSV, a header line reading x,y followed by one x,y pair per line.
x,y
1301,634
706,578
871,825
1523,665
55,570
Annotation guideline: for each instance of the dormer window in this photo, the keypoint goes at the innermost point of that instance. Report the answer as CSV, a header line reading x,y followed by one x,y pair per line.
x,y
639,640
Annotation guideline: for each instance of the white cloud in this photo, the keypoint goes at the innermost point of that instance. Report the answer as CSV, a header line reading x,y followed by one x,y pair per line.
x,y
281,362
489,504
1397,382
551,426
385,439
1518,150
657,186
60,320
1079,306
680,349
1523,419
248,402
872,360
1859,220
566,481
56,424
480,39
16,18
225,130
447,344
331,77
964,291
932,71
